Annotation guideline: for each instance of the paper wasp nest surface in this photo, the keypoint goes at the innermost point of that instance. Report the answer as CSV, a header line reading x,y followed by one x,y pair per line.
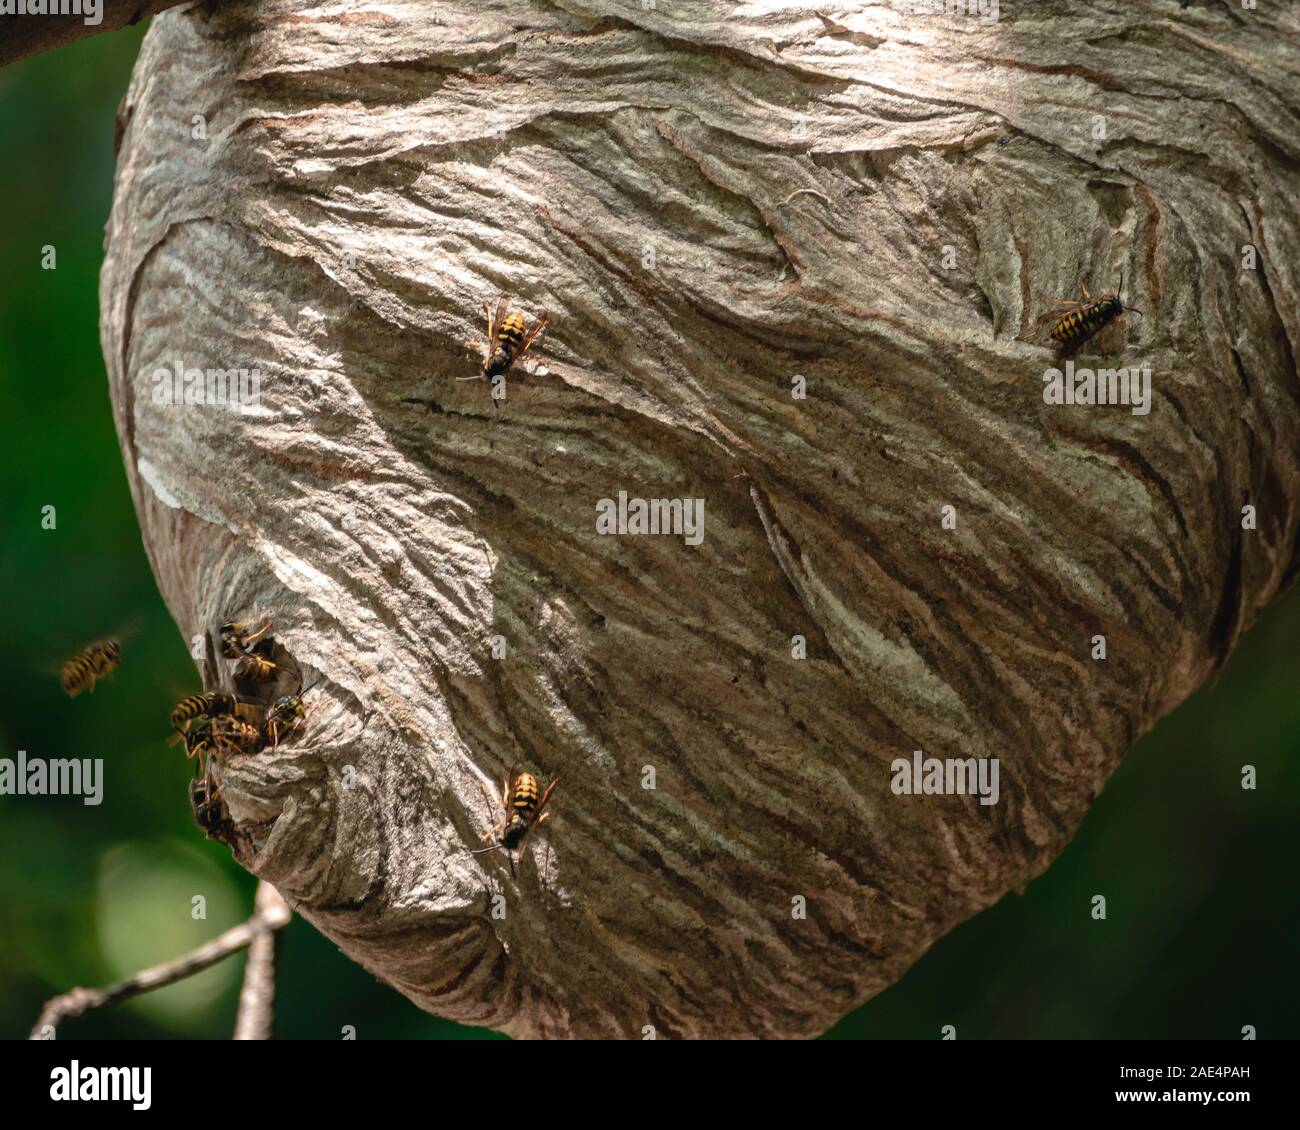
x,y
794,264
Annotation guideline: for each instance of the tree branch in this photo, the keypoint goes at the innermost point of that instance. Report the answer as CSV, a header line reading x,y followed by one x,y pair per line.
x,y
257,996
270,915
22,36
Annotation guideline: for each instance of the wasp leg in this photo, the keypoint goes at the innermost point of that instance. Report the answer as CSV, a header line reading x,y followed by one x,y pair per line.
x,y
491,795
1111,337
225,743
479,347
492,800
250,640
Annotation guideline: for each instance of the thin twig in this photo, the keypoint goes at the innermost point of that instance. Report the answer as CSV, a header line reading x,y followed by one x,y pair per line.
x,y
257,997
78,1001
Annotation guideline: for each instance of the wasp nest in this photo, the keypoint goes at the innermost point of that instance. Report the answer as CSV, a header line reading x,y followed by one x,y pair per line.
x,y
794,264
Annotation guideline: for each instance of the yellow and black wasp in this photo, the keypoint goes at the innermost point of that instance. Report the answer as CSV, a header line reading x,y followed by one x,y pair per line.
x,y
96,662
200,742
238,637
249,647
255,667
509,337
1088,318
231,732
213,704
205,800
209,736
285,717
522,802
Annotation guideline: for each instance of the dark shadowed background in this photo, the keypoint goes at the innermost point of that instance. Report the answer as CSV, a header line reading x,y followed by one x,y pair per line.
x,y
1199,875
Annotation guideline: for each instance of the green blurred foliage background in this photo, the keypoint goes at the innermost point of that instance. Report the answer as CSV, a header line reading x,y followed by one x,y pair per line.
x,y
1200,876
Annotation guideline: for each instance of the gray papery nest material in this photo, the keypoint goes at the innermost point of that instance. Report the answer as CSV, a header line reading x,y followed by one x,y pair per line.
x,y
709,201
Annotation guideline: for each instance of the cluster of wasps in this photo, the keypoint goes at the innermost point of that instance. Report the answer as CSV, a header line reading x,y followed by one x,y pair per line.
x,y
213,723
216,723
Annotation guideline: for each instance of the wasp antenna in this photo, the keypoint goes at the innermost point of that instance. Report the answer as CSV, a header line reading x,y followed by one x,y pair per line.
x,y
480,851
1133,310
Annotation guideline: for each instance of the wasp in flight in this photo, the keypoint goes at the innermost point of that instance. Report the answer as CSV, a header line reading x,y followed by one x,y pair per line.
x,y
509,337
522,802
96,662
1088,318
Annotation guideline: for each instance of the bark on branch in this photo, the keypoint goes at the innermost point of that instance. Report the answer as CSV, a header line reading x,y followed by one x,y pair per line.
x,y
270,915
31,33
710,201
255,1019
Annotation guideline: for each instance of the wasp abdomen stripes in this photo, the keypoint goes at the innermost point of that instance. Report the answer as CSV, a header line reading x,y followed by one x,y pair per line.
x,y
1079,325
81,671
509,337
522,801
